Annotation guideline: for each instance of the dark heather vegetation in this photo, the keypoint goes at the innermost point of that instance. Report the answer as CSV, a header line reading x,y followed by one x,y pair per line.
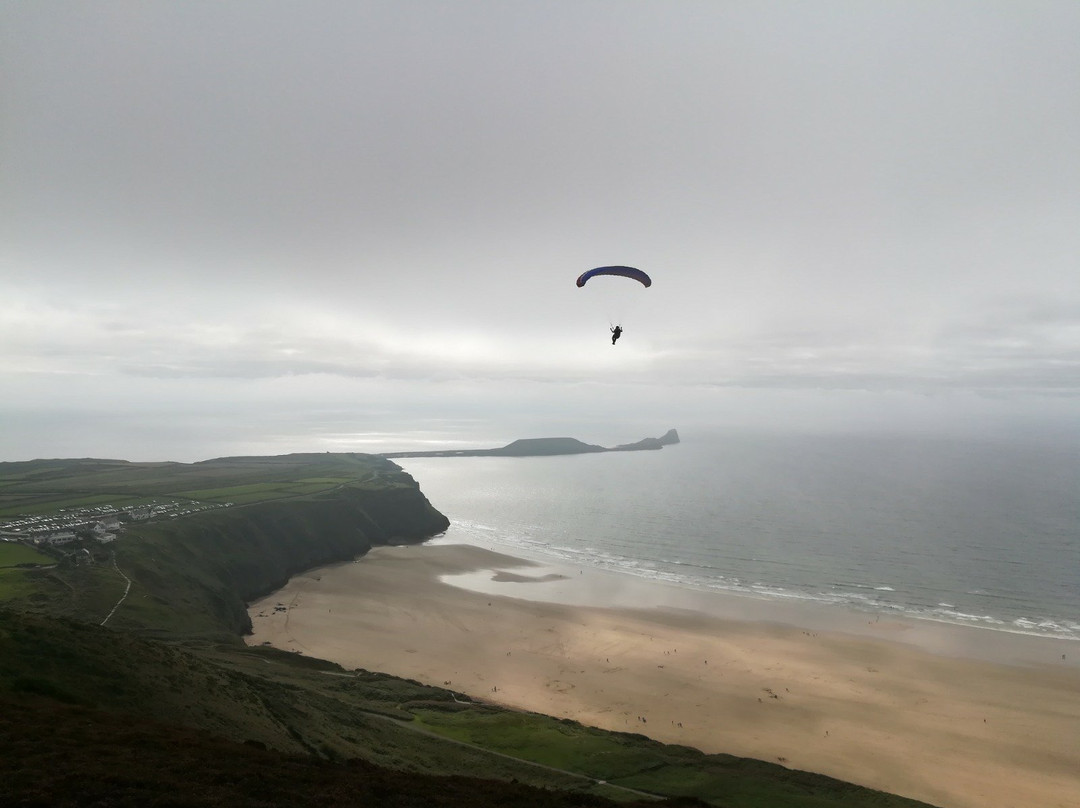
x,y
164,703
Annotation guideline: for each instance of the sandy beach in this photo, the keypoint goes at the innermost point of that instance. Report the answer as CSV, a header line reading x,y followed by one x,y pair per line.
x,y
958,717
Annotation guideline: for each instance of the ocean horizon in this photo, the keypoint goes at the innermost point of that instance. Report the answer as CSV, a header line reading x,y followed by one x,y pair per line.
x,y
964,531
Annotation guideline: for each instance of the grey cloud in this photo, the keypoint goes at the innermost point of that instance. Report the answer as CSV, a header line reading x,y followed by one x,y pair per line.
x,y
830,197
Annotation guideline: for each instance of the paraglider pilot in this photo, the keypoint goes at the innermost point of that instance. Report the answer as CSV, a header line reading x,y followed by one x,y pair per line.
x,y
616,332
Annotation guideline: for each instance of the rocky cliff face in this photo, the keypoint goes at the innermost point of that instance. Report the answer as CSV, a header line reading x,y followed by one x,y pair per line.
x,y
669,437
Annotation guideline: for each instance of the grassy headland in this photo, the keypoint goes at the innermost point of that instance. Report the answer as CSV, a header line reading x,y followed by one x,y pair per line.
x,y
170,667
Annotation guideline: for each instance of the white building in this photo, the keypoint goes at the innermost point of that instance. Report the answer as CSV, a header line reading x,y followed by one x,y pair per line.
x,y
58,537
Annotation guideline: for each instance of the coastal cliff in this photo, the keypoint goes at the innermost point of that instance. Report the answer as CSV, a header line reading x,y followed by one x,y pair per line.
x,y
220,532
123,675
244,553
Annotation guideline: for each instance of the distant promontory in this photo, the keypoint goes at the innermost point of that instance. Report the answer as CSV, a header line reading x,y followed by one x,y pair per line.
x,y
539,447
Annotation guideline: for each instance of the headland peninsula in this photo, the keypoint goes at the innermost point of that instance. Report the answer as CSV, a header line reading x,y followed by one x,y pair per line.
x,y
540,447
126,594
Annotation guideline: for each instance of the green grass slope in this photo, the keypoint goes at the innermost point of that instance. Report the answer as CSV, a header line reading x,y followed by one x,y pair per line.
x,y
264,697
57,755
256,726
636,762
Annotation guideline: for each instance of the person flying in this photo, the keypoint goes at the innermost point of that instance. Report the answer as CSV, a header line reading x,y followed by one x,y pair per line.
x,y
620,272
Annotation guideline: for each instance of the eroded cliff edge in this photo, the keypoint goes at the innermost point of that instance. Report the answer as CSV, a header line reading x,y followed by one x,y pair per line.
x,y
231,556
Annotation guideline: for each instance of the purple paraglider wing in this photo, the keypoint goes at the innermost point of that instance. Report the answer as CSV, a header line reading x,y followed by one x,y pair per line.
x,y
625,272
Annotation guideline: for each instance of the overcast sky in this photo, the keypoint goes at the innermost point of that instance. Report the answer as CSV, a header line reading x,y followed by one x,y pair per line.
x,y
278,226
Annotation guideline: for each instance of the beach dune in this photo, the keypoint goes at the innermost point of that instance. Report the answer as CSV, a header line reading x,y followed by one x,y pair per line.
x,y
886,704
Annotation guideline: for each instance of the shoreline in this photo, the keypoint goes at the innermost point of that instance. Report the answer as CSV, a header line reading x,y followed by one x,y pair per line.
x,y
937,715
595,587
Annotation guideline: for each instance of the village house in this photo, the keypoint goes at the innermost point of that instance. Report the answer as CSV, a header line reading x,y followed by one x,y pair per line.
x,y
107,524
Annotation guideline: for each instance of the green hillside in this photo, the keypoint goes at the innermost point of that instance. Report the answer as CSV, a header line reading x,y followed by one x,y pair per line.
x,y
169,665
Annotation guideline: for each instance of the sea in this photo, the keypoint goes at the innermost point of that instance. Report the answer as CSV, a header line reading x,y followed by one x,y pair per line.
x,y
971,531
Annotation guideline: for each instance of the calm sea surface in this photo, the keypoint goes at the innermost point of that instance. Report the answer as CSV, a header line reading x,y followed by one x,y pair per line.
x,y
984,533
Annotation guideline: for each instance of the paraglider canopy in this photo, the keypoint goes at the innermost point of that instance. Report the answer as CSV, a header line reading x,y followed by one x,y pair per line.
x,y
625,272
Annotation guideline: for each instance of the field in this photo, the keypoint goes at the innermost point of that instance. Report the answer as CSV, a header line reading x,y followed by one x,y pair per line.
x,y
12,554
16,562
44,486
635,762
260,492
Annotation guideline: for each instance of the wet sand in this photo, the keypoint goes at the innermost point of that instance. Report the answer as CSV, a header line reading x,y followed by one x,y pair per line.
x,y
958,717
